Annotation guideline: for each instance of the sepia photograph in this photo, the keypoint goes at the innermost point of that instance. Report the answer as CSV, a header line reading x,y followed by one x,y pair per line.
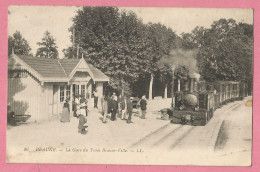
x,y
130,85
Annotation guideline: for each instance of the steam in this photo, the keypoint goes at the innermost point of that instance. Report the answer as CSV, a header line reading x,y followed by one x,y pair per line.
x,y
180,57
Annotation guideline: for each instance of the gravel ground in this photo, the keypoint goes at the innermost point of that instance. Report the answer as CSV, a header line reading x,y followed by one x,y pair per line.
x,y
113,134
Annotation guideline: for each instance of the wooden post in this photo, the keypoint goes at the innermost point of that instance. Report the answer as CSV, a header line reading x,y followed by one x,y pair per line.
x,y
77,51
79,89
58,101
65,92
90,90
71,99
86,90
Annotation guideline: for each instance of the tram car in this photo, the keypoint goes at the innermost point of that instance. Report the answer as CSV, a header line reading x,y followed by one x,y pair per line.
x,y
197,105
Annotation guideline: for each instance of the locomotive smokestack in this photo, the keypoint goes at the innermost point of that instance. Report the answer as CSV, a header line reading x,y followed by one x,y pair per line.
x,y
194,77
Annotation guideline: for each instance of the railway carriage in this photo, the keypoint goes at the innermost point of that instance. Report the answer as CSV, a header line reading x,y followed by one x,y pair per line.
x,y
196,107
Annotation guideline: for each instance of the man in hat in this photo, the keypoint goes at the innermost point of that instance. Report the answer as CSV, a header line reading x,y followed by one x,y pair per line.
x,y
114,107
143,104
105,108
129,109
95,99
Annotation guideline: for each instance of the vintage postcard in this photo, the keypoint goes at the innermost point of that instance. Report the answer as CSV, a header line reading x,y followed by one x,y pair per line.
x,y
130,85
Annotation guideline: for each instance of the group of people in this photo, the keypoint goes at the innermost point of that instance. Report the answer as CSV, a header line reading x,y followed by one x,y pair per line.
x,y
80,109
113,105
121,106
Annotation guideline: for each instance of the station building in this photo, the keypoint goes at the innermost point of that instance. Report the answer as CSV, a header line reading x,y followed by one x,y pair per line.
x,y
39,86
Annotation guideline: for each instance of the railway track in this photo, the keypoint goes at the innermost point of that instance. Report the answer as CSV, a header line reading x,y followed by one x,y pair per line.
x,y
170,136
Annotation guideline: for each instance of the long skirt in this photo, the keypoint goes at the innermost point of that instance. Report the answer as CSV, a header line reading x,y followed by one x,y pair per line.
x,y
81,111
82,122
113,115
65,115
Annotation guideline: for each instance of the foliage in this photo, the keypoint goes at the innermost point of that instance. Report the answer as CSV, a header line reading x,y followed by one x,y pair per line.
x,y
118,43
18,44
225,50
47,48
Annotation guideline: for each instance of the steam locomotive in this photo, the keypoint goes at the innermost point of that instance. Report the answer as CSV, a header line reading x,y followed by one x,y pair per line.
x,y
197,105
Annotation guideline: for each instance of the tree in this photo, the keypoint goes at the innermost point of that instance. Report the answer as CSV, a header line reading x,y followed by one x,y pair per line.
x,y
47,48
225,50
18,44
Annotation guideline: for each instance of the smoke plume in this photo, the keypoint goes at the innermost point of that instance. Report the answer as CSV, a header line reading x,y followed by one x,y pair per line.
x,y
180,57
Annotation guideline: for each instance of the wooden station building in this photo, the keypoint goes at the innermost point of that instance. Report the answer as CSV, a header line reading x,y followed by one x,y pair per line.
x,y
39,86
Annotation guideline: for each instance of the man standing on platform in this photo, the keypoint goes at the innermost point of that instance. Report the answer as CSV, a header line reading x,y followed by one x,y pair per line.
x,y
114,107
124,107
143,104
105,108
95,99
130,110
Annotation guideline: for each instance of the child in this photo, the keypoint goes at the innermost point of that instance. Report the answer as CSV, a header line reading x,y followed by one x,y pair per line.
x,y
82,124
82,117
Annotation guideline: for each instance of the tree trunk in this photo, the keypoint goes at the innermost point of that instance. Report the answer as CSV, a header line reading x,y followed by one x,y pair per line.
x,y
165,91
151,88
123,89
172,92
179,85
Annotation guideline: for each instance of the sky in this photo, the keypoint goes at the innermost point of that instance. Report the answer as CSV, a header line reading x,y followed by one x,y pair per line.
x,y
33,21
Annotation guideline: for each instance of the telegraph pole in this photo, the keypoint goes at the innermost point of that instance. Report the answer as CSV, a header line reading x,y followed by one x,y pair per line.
x,y
73,40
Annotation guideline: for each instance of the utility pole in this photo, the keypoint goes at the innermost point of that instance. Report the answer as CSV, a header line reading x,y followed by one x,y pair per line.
x,y
77,51
73,40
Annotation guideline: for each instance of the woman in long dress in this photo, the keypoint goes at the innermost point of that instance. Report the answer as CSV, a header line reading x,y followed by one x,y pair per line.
x,y
65,115
76,106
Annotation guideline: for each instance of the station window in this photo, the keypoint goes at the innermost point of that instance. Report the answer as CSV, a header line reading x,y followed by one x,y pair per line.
x,y
76,90
68,92
83,90
61,93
